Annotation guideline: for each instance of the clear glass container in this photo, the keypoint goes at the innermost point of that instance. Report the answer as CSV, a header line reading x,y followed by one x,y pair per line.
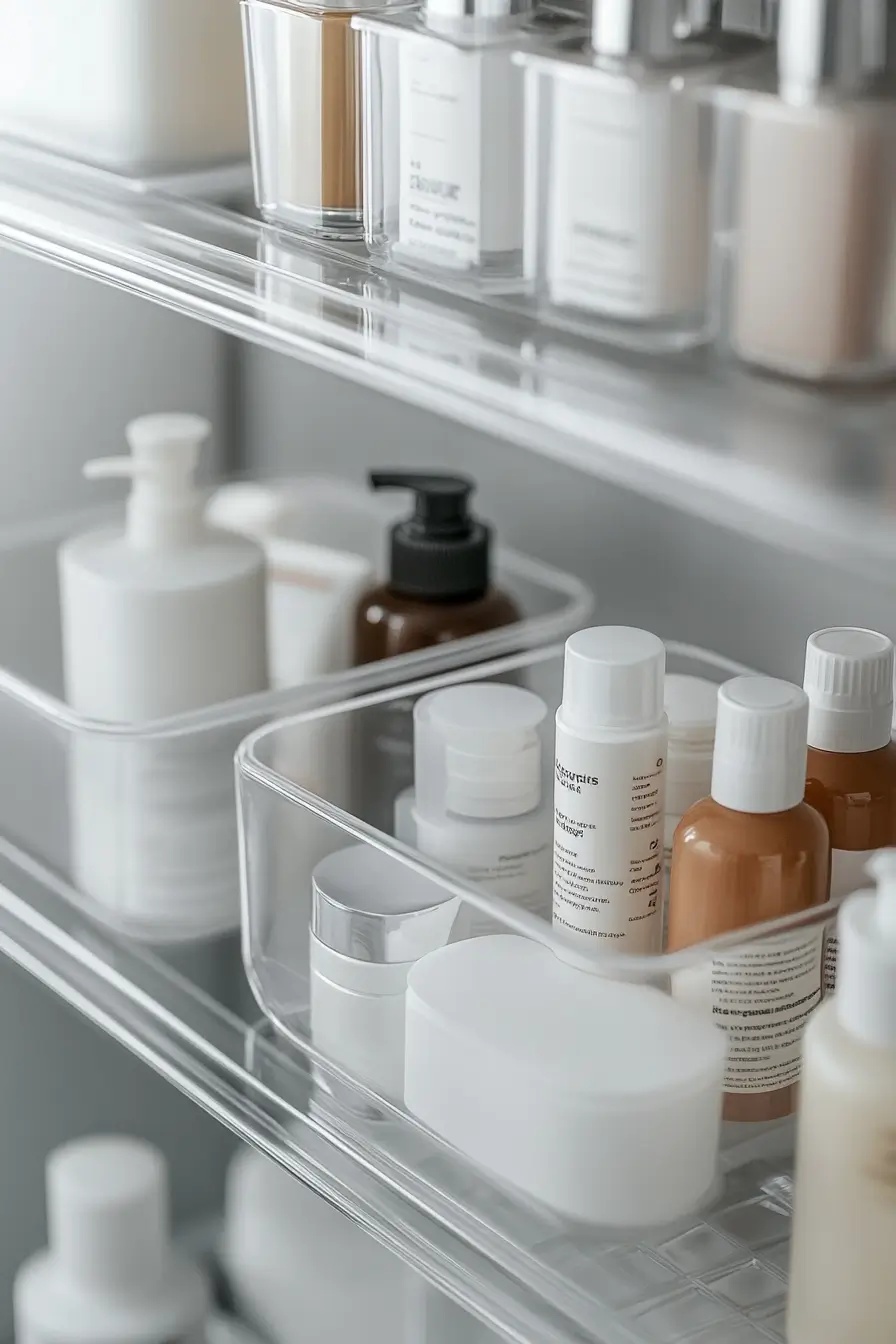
x,y
444,154
304,115
618,207
805,230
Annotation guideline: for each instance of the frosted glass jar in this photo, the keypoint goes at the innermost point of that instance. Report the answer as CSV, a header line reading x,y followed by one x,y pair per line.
x,y
444,154
140,86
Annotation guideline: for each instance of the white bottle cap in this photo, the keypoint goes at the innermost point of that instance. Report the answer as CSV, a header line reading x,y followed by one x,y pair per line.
x,y
759,763
866,963
691,705
107,1208
163,506
613,679
477,751
849,682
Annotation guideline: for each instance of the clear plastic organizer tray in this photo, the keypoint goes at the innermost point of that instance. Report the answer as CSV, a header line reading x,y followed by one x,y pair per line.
x,y
714,1272
141,818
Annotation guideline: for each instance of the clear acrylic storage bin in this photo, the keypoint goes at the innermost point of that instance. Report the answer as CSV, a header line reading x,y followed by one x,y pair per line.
x,y
139,86
141,818
805,231
301,62
712,1271
444,151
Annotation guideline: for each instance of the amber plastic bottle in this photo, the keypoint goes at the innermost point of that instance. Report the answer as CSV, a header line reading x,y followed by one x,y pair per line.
x,y
753,851
439,589
851,768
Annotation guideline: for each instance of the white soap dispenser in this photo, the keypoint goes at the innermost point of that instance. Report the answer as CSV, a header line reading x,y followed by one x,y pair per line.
x,y
842,1285
166,614
110,1274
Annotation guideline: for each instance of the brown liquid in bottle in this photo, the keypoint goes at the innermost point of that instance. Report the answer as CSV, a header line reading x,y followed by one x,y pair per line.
x,y
389,624
733,869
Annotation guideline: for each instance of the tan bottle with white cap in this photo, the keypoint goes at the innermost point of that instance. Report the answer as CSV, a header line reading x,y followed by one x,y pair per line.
x,y
851,769
753,851
842,1285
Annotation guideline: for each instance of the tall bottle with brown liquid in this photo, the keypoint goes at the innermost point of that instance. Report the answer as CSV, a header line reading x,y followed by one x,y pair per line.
x,y
754,851
851,768
439,589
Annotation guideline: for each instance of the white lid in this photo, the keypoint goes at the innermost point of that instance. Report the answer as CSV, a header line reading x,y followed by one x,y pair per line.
x,y
759,763
866,962
477,751
370,907
691,704
849,682
613,679
600,1097
107,1209
163,507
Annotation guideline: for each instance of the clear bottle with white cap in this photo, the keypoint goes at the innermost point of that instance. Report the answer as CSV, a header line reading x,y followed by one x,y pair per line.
x,y
444,161
372,918
690,704
160,616
480,805
750,852
851,768
110,1274
842,1285
806,248
617,228
609,790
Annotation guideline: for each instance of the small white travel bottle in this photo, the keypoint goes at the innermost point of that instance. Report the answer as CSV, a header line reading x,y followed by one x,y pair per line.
x,y
609,790
480,805
110,1274
159,617
842,1285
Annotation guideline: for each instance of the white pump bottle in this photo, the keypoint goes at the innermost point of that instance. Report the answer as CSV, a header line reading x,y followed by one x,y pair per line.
x,y
160,617
842,1285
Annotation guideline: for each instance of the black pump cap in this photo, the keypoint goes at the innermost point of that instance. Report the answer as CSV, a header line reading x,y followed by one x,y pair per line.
x,y
441,553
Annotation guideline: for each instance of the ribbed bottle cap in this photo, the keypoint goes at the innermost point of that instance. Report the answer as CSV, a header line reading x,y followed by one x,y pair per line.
x,y
368,906
477,751
691,706
849,682
759,763
866,962
107,1209
613,679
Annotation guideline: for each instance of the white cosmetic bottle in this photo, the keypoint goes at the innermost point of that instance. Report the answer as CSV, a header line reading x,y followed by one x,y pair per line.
x,y
109,1274
691,704
609,790
160,617
480,806
842,1285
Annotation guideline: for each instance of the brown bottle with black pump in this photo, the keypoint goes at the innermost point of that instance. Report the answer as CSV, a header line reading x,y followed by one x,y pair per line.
x,y
439,590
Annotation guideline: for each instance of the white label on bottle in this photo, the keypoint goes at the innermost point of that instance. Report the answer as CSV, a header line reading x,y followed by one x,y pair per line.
x,y
847,876
608,840
763,997
461,177
628,201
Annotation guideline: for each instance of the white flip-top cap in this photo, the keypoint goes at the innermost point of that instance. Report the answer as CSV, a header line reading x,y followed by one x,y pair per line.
x,y
691,706
866,964
613,679
107,1208
163,507
849,682
477,751
759,763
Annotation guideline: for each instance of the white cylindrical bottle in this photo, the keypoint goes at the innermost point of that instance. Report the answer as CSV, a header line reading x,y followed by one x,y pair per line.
x,y
109,1274
691,704
160,617
609,790
842,1285
480,805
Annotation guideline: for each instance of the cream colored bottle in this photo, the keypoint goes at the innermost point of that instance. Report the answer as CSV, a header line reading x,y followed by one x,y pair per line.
x,y
842,1285
753,851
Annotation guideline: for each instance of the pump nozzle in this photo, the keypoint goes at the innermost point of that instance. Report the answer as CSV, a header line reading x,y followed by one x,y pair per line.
x,y
163,509
882,867
441,552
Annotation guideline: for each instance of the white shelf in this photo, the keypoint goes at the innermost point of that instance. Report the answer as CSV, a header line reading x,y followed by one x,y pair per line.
x,y
813,472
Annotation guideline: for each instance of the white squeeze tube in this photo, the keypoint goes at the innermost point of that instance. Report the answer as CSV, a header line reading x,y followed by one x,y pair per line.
x,y
609,791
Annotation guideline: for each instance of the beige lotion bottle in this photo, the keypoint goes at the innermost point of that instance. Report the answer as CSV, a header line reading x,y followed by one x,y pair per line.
x,y
805,236
842,1285
751,852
